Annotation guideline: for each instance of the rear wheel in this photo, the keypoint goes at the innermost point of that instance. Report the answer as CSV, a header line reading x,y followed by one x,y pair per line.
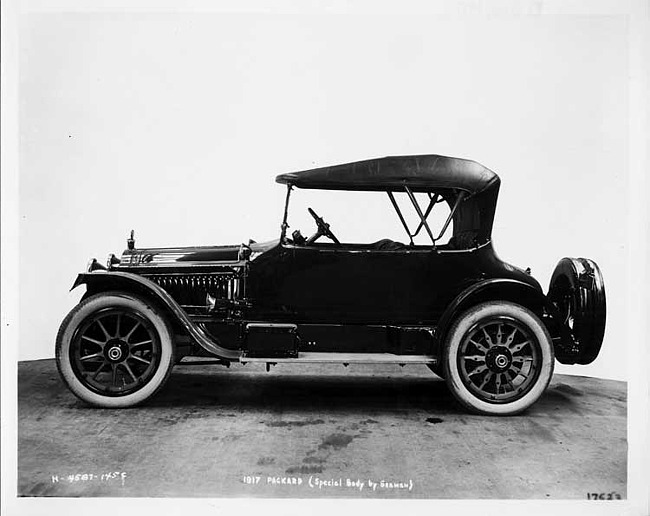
x,y
114,350
498,358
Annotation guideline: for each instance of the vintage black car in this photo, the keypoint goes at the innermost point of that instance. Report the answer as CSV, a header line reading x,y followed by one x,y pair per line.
x,y
484,325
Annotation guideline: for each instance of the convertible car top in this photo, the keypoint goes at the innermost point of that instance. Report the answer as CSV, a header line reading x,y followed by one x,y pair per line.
x,y
419,173
454,179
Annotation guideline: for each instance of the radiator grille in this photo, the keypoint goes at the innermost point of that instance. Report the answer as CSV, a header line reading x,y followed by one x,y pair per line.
x,y
191,289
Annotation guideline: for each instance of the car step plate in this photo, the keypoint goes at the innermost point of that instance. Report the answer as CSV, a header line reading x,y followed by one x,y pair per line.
x,y
346,358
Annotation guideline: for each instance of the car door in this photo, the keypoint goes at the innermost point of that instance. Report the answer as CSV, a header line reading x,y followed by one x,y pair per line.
x,y
326,283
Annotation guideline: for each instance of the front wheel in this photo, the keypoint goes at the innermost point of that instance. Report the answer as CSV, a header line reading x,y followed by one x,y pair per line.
x,y
113,350
498,358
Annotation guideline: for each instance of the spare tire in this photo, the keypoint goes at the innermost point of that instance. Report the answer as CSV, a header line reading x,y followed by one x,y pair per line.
x,y
578,292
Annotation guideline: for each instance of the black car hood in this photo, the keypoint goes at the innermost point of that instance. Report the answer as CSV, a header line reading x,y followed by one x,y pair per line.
x,y
168,256
179,255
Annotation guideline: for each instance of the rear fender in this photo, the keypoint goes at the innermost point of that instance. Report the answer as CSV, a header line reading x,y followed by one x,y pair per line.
x,y
102,281
501,289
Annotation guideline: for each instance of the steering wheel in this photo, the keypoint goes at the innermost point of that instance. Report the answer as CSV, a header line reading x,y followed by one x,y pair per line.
x,y
323,229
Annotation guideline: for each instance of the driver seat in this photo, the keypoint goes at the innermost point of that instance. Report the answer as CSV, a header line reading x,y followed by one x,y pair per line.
x,y
386,244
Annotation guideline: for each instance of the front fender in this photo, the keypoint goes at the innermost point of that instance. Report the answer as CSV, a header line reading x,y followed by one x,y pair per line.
x,y
501,289
101,281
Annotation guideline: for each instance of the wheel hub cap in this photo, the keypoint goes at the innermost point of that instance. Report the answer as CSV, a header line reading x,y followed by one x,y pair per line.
x,y
115,353
498,359
116,350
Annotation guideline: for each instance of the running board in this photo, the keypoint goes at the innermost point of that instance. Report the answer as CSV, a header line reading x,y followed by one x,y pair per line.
x,y
344,358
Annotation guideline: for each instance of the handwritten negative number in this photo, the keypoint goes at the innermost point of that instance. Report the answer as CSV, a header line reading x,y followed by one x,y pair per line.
x,y
604,496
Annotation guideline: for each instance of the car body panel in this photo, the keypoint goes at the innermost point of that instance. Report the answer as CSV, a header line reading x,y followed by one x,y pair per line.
x,y
347,284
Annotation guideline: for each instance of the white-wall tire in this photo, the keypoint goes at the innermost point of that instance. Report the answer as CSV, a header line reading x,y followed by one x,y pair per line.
x,y
498,358
102,332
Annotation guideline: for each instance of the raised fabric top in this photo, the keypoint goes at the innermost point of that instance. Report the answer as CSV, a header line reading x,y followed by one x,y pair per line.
x,y
420,173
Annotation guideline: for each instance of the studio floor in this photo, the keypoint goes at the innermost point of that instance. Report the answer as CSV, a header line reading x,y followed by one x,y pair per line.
x,y
315,431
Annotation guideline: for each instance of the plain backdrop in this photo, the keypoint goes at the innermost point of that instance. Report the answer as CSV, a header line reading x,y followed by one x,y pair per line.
x,y
175,125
